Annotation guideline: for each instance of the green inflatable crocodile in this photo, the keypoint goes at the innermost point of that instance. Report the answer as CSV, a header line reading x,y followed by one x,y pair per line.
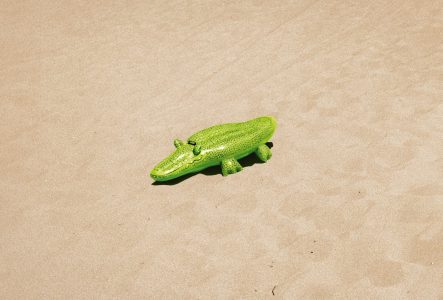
x,y
218,145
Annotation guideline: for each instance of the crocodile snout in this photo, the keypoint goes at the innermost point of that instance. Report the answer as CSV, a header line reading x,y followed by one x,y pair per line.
x,y
157,175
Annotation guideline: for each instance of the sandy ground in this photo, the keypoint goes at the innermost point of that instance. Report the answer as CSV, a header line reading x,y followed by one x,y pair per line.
x,y
92,95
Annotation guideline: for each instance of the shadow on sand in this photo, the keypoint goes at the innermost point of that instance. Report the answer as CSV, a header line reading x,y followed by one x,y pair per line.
x,y
247,161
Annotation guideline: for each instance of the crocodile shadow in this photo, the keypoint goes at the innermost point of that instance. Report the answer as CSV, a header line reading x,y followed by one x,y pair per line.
x,y
246,162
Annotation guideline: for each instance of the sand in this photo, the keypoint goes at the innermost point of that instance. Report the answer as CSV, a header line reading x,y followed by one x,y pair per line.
x,y
93,94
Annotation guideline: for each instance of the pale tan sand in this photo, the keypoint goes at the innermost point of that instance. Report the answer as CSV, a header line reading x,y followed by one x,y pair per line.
x,y
92,96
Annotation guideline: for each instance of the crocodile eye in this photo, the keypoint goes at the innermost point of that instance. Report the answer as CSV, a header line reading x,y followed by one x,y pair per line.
x,y
178,143
197,149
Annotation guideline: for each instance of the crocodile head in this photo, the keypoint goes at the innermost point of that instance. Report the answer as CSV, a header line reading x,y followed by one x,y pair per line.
x,y
187,158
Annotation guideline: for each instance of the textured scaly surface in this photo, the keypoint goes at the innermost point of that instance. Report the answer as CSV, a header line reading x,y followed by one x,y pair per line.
x,y
218,145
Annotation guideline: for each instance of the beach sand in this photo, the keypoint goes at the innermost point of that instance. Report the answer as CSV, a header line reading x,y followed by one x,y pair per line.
x,y
93,94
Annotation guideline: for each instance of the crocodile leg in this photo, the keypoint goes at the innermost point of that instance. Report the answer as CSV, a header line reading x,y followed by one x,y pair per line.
x,y
230,166
263,152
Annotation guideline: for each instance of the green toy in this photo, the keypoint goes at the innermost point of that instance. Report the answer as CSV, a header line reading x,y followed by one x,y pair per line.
x,y
218,145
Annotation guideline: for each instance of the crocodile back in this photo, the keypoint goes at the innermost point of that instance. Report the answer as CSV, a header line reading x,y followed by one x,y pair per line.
x,y
234,139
